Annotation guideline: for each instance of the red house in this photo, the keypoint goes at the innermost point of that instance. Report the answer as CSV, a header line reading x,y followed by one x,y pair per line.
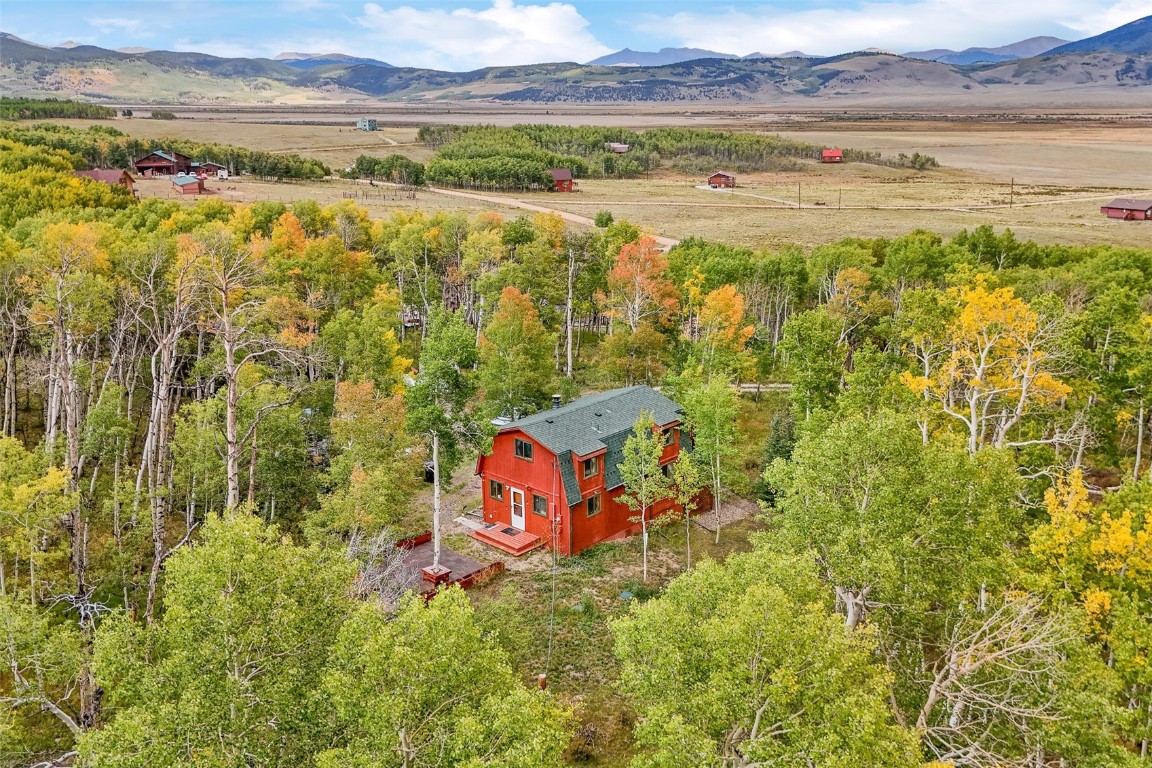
x,y
159,163
561,179
1128,209
110,176
553,478
722,179
832,156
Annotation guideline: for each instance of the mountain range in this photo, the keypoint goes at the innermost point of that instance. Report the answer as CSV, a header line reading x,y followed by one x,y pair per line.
x,y
1112,64
1025,49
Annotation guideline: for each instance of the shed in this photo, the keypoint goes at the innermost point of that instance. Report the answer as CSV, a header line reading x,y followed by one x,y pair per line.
x,y
110,176
561,179
617,147
722,179
188,184
1128,209
366,124
209,169
832,156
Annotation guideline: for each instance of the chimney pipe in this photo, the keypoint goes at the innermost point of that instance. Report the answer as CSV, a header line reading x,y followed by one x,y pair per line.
x,y
555,402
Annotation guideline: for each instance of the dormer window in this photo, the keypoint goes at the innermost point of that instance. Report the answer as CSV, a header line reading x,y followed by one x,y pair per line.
x,y
523,449
591,467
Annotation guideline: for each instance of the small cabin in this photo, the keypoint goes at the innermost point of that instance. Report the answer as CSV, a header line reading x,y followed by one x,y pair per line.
x,y
188,184
722,180
366,124
210,170
1128,209
832,156
561,179
553,478
110,176
616,147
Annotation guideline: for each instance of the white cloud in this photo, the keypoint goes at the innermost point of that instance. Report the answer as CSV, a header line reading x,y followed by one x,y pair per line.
x,y
106,25
899,26
504,34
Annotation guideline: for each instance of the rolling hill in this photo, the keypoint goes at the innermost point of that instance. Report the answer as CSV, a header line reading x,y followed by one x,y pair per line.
x,y
1135,37
1116,62
1033,46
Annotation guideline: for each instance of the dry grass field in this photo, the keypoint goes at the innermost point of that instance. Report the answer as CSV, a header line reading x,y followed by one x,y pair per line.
x,y
1054,171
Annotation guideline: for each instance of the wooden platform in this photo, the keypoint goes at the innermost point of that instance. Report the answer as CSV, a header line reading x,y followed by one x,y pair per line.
x,y
465,571
506,539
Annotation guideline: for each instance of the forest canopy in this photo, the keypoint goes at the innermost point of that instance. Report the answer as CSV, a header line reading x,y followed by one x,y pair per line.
x,y
215,420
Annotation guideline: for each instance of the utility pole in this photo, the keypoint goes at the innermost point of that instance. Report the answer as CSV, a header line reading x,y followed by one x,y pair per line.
x,y
1012,194
797,195
840,200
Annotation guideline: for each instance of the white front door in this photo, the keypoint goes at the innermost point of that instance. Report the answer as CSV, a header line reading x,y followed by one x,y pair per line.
x,y
517,508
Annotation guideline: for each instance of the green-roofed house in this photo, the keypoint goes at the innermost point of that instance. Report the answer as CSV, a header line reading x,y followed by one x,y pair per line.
x,y
163,163
553,478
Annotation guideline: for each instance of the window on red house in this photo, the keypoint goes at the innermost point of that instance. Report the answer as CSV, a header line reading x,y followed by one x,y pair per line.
x,y
496,490
591,467
593,505
523,449
539,505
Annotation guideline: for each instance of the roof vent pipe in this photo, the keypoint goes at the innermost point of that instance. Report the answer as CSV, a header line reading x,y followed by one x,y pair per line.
x,y
555,402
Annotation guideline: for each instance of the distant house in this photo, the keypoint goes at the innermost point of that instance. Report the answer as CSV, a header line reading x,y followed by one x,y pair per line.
x,y
561,179
366,124
111,177
210,170
612,146
1128,209
553,478
722,179
832,156
162,163
188,184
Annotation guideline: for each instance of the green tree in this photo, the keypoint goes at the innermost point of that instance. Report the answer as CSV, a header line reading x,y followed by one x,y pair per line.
x,y
742,664
440,403
515,352
426,688
710,411
815,358
645,484
231,672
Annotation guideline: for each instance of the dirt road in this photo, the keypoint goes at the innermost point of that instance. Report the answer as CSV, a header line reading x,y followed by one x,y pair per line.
x,y
665,242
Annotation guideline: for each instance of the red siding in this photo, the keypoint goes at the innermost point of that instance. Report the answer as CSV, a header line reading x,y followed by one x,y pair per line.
x,y
570,530
538,476
1128,214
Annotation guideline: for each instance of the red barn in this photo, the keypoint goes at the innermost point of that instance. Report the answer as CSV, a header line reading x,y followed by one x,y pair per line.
x,y
722,179
163,164
188,185
553,478
561,179
832,156
1128,209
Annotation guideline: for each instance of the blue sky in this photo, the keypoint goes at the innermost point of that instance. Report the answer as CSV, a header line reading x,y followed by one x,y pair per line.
x,y
464,34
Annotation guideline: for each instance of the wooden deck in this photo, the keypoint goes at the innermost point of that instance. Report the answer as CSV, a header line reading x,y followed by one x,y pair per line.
x,y
465,571
506,539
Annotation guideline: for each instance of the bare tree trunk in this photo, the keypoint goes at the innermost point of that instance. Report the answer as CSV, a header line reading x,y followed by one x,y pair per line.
x,y
1139,441
568,312
435,501
252,470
